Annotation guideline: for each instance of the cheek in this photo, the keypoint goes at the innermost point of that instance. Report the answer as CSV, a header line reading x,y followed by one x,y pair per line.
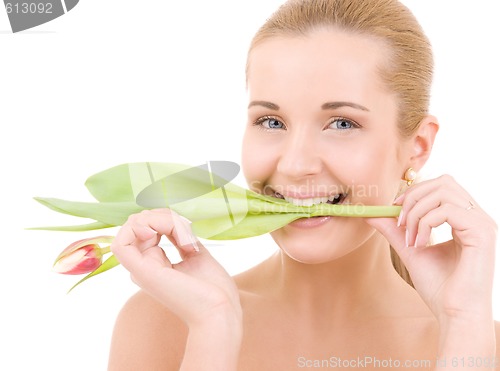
x,y
368,169
257,161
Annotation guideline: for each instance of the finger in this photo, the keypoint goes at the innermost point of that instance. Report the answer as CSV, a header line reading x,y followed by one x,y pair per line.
x,y
423,186
445,213
171,224
143,231
419,210
413,196
153,254
158,255
393,234
133,232
125,249
436,191
185,239
420,223
434,218
415,206
187,251
476,250
459,218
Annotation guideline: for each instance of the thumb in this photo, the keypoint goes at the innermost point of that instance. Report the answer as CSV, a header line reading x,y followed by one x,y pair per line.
x,y
396,236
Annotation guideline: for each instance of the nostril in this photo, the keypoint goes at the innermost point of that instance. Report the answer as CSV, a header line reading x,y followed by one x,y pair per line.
x,y
296,167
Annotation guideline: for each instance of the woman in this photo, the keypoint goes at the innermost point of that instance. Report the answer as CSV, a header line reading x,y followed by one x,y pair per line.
x,y
338,112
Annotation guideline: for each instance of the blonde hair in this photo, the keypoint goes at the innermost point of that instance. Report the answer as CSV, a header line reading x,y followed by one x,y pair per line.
x,y
409,68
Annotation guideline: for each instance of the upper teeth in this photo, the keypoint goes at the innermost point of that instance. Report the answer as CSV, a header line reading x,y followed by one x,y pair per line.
x,y
310,201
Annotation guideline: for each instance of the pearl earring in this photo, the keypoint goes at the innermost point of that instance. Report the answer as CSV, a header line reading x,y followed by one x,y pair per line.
x,y
410,176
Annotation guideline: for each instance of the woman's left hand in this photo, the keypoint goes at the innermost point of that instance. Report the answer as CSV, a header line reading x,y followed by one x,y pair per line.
x,y
454,278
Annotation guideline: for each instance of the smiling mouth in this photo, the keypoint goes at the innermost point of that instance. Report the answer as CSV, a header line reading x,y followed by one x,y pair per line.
x,y
332,199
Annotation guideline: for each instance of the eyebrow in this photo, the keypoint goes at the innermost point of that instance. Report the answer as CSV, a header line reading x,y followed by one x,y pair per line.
x,y
335,105
263,103
325,106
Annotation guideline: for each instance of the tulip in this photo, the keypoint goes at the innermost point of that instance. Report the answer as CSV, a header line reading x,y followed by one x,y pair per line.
x,y
205,195
83,256
217,208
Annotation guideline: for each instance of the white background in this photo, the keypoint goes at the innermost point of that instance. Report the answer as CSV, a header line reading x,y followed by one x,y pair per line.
x,y
121,81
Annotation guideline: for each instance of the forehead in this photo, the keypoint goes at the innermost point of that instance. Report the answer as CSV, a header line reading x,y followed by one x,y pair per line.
x,y
327,59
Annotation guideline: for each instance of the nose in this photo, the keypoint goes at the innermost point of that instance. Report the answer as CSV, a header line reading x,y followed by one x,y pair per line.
x,y
300,156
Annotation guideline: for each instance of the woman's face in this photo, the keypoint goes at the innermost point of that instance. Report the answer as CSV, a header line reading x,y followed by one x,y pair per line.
x,y
322,128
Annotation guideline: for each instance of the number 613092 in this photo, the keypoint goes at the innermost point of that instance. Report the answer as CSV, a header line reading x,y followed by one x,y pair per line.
x,y
29,8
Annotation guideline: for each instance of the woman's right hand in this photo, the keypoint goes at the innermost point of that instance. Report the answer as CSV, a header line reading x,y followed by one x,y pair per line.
x,y
198,289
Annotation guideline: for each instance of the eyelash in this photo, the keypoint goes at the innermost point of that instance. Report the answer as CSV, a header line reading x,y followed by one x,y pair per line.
x,y
263,119
354,124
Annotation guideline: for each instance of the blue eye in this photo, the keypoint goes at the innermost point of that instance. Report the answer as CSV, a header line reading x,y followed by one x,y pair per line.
x,y
342,124
270,123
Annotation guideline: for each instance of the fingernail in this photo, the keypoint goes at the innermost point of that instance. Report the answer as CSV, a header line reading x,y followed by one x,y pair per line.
x,y
183,233
195,246
416,241
192,238
398,199
186,236
400,218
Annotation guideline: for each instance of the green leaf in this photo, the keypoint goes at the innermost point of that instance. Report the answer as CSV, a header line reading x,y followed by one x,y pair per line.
x,y
187,184
73,228
217,208
109,213
122,183
268,214
250,226
222,210
111,262
111,185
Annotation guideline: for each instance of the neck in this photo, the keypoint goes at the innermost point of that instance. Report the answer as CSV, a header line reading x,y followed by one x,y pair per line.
x,y
362,284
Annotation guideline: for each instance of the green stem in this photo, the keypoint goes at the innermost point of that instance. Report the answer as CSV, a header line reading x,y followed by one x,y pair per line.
x,y
355,210
105,250
271,206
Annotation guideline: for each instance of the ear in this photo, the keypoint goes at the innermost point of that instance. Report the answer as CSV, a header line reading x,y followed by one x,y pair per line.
x,y
422,142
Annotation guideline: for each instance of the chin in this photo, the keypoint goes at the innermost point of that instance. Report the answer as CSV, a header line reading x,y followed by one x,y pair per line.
x,y
324,243
308,247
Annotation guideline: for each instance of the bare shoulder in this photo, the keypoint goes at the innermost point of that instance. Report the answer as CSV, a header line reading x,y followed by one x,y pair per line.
x,y
146,336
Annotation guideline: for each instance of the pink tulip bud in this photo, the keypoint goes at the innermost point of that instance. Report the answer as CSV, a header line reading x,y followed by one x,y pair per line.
x,y
81,257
